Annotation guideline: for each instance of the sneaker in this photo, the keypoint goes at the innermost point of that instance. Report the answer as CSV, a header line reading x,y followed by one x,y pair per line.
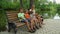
x,y
32,31
37,27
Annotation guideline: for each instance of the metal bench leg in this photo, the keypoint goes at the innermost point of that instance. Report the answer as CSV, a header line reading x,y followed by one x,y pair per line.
x,y
9,27
15,29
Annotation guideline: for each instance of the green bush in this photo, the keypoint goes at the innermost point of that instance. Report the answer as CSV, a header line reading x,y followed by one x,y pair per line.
x,y
2,20
9,5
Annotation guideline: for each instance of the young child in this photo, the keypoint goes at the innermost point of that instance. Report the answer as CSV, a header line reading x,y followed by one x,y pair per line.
x,y
33,17
39,19
27,16
42,20
22,18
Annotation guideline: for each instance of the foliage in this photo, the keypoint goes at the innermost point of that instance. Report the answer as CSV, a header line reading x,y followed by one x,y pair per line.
x,y
26,4
43,7
2,20
58,9
9,5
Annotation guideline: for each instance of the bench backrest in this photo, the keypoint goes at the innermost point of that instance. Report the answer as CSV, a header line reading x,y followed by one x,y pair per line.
x,y
12,15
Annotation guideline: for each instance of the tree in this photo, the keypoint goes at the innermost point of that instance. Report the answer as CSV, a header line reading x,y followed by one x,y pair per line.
x,y
21,4
31,3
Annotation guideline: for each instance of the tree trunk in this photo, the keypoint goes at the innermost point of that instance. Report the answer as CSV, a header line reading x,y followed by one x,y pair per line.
x,y
21,4
31,3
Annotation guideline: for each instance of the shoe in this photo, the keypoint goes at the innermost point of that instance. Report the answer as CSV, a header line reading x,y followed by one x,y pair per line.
x,y
37,27
32,31
40,26
8,30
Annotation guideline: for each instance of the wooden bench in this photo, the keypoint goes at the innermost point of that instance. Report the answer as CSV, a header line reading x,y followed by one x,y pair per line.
x,y
12,16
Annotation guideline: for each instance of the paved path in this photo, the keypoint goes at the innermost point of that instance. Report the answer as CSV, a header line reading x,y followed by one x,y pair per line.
x,y
51,27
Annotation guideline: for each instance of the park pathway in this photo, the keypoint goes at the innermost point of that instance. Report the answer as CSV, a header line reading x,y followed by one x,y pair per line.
x,y
51,27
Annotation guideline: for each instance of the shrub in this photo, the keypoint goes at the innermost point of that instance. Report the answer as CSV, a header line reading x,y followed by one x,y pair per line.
x,y
2,20
9,5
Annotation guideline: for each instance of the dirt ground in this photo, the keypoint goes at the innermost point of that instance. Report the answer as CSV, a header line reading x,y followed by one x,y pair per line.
x,y
51,27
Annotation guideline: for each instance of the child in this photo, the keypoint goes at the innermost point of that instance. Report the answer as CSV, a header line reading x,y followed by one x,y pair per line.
x,y
39,19
27,16
33,17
